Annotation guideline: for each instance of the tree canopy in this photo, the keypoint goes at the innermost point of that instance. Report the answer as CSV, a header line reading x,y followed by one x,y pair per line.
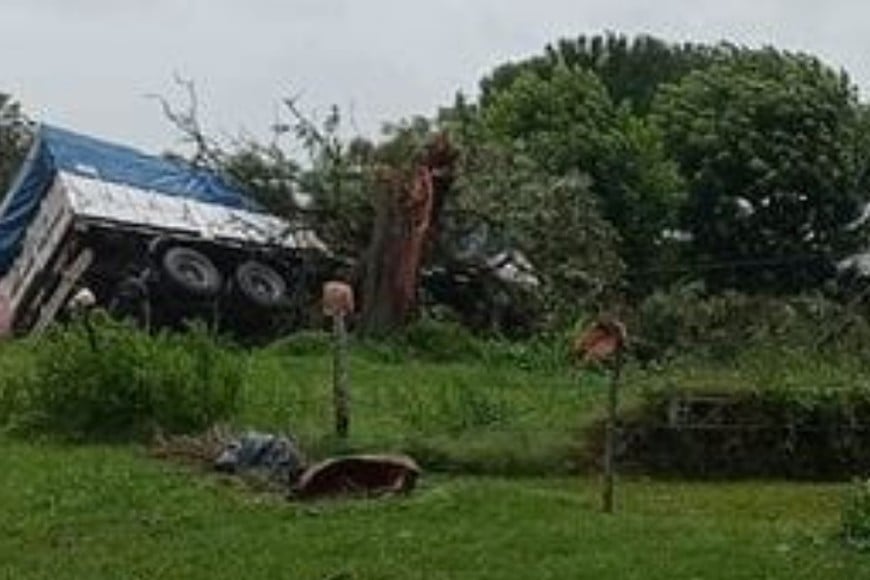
x,y
631,69
615,163
567,123
769,143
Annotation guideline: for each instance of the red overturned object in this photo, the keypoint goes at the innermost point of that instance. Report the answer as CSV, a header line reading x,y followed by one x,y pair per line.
x,y
600,341
358,475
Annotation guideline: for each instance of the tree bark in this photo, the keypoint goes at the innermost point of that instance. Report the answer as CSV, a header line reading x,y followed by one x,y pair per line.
x,y
404,228
340,387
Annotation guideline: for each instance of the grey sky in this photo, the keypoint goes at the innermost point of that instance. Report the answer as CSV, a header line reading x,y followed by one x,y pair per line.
x,y
88,64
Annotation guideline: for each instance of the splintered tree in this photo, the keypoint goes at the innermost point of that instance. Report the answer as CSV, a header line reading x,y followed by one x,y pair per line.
x,y
406,224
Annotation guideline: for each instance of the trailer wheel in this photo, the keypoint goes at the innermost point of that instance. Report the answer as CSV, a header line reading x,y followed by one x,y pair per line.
x,y
261,284
192,271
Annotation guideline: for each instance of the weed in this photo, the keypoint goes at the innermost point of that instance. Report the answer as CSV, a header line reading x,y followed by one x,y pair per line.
x,y
129,385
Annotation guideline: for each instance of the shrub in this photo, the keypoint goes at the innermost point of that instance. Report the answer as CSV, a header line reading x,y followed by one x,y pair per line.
x,y
438,341
785,420
855,518
688,320
130,384
544,353
426,339
304,343
15,365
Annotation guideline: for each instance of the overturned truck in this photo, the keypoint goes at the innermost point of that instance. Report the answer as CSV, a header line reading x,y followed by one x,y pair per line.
x,y
152,239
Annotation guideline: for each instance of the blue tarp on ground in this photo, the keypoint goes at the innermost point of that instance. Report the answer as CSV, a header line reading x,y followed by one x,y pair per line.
x,y
56,150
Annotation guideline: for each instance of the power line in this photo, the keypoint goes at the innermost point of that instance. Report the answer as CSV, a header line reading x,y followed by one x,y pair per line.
x,y
726,265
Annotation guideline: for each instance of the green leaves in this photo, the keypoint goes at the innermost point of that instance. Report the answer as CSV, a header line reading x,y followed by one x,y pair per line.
x,y
130,385
855,515
767,141
565,121
761,155
630,69
554,221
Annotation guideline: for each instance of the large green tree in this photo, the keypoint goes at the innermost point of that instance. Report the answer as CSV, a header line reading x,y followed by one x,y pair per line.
x,y
566,122
506,200
771,148
631,69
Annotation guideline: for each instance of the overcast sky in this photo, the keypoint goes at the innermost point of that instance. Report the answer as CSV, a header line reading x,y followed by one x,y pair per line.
x,y
89,64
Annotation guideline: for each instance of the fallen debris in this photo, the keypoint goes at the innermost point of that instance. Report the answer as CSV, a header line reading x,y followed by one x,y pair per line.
x,y
277,455
358,475
274,463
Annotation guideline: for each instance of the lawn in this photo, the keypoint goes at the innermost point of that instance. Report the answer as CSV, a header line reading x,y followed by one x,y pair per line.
x,y
456,416
97,511
463,415
111,512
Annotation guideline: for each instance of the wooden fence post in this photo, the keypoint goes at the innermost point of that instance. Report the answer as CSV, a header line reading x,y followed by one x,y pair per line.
x,y
610,436
338,302
340,389
603,343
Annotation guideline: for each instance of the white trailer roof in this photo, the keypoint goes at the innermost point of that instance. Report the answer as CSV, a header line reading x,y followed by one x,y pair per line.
x,y
116,183
100,201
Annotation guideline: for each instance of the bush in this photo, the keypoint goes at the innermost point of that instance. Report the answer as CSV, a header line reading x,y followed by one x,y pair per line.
x,y
304,343
438,341
778,413
130,385
686,320
16,362
855,519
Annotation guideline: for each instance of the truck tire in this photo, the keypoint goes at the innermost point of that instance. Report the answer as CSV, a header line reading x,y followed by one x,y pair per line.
x,y
261,285
192,271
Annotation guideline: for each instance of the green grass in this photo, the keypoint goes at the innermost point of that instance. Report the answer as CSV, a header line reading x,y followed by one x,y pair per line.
x,y
110,512
455,416
96,512
480,413
761,368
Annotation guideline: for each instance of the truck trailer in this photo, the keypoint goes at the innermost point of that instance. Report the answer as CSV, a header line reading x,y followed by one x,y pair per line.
x,y
150,238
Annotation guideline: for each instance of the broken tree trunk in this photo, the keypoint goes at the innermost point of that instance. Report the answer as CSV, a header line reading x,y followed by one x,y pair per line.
x,y
405,226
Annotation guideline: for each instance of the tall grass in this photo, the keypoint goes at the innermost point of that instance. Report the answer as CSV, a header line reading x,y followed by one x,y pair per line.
x,y
480,412
17,365
855,515
769,410
455,401
124,384
452,400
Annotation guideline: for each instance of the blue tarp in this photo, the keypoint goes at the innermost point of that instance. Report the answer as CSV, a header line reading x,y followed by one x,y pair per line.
x,y
56,150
